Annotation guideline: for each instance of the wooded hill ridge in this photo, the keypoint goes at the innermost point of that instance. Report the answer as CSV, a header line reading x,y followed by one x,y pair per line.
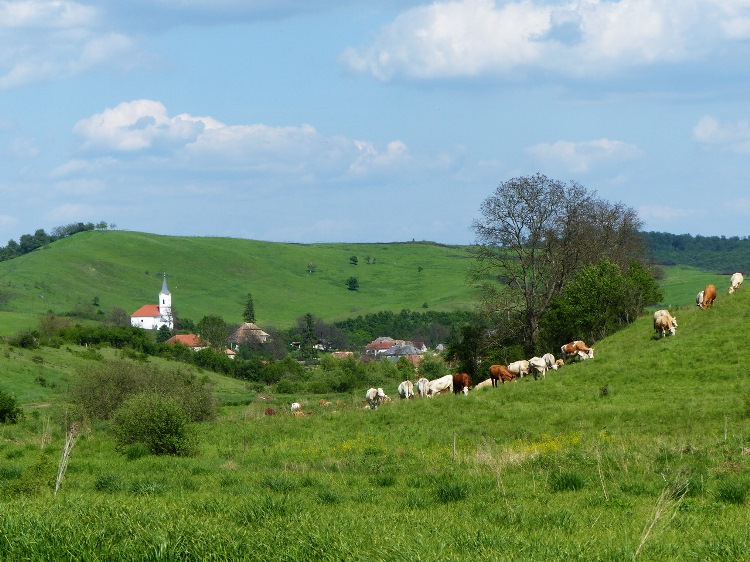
x,y
93,271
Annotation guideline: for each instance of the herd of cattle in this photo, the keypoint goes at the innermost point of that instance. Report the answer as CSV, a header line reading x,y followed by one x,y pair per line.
x,y
460,383
665,324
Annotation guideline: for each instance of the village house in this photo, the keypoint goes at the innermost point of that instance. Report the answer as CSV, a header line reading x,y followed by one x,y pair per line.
x,y
248,333
193,341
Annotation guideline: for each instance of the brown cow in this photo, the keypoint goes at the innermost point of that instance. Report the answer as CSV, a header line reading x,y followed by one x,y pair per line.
x,y
578,348
709,295
501,373
461,383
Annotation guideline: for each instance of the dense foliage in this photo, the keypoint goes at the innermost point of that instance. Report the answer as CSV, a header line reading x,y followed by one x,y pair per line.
x,y
716,253
10,411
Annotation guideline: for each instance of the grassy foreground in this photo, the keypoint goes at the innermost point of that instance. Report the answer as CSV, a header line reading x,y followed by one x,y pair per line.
x,y
641,453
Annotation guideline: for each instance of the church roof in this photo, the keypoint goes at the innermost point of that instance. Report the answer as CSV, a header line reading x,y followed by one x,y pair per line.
x,y
148,311
248,330
164,290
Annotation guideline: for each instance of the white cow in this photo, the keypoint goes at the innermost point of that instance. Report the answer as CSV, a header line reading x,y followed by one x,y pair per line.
x,y
422,384
549,359
735,282
699,300
374,397
539,365
483,384
406,390
519,368
663,326
296,406
443,384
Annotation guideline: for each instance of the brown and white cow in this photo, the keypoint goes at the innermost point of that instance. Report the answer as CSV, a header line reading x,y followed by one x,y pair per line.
x,y
671,321
502,374
461,383
735,282
577,348
663,326
709,295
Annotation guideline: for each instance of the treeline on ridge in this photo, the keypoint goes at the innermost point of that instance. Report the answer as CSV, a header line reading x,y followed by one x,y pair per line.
x,y
719,254
29,242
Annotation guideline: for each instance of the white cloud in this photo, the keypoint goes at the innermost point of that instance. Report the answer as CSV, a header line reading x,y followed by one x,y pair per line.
x,y
466,38
734,137
143,130
53,39
659,213
580,157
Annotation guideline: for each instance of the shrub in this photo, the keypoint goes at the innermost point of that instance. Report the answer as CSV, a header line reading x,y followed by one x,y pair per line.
x,y
160,423
9,410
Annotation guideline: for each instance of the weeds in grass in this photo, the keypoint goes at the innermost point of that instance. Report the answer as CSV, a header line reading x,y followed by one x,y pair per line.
x,y
665,510
566,481
69,442
733,490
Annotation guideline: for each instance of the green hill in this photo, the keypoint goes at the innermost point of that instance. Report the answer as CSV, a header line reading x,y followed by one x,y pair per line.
x,y
214,276
640,453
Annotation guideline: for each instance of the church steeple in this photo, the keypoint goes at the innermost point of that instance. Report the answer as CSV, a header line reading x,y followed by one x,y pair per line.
x,y
165,303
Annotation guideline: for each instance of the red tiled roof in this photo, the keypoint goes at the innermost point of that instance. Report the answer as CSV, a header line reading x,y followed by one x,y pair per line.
x,y
191,340
148,310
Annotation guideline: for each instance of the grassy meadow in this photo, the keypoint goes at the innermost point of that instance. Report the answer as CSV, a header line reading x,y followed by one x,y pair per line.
x,y
642,453
213,276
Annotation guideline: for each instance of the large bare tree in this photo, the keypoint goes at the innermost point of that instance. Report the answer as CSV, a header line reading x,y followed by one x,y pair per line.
x,y
535,233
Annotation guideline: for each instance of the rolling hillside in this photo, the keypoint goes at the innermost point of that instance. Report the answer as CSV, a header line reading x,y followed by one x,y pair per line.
x,y
214,275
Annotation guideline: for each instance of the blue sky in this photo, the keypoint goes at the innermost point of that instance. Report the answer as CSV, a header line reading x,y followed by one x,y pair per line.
x,y
336,121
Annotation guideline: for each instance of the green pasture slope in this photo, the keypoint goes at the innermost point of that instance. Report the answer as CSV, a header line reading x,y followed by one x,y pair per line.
x,y
642,453
214,275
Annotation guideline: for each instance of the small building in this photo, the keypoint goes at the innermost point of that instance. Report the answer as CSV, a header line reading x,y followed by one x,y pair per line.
x,y
191,340
248,333
154,316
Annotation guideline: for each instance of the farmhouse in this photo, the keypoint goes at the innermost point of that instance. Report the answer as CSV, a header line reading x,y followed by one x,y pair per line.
x,y
154,316
248,333
191,340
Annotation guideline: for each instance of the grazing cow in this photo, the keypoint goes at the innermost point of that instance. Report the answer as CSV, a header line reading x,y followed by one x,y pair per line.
x,y
422,384
671,321
663,326
577,348
699,300
539,366
500,373
485,383
406,390
296,406
519,368
461,383
709,295
549,359
735,282
560,363
438,386
374,397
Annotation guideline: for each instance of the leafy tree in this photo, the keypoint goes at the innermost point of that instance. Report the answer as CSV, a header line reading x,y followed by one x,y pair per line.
x,y
163,334
535,234
118,317
309,337
249,313
353,260
213,329
352,284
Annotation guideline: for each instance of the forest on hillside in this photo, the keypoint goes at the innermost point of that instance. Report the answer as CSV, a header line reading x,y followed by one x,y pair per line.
x,y
718,254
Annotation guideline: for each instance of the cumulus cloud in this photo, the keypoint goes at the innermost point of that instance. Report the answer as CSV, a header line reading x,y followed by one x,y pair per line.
x,y
581,157
734,137
143,130
467,38
53,39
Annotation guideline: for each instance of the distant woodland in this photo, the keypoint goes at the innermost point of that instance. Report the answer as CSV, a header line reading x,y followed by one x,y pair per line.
x,y
717,254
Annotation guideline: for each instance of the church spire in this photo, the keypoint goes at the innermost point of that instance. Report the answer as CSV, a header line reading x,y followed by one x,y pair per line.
x,y
164,290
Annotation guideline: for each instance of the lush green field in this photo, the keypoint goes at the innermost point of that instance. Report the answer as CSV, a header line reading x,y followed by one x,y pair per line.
x,y
681,284
641,453
214,276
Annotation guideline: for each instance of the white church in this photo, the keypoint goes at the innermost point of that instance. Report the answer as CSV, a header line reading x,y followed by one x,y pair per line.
x,y
154,316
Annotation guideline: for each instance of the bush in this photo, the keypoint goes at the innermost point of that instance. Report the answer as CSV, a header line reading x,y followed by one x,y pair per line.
x,y
9,410
158,422
101,388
